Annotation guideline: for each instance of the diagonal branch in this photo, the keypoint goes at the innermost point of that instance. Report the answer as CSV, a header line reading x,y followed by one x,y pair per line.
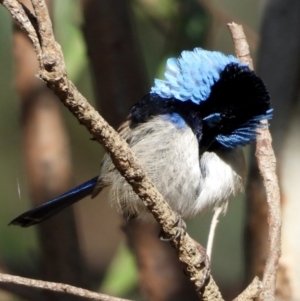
x,y
53,72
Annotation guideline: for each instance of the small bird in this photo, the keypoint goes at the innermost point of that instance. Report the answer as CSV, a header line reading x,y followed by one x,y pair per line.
x,y
187,133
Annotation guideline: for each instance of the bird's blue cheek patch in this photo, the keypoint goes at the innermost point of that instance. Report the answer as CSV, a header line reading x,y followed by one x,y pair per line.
x,y
176,119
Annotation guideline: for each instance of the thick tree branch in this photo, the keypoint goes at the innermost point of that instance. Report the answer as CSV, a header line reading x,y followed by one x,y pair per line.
x,y
267,166
53,72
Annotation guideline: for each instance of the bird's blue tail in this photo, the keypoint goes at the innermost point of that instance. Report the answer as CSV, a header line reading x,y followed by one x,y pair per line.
x,y
52,207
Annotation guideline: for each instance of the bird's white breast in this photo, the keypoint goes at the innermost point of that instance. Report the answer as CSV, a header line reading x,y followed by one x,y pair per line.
x,y
170,154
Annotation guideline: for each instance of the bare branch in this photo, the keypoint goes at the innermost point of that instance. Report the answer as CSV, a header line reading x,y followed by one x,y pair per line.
x,y
57,287
17,11
53,72
267,166
241,46
23,292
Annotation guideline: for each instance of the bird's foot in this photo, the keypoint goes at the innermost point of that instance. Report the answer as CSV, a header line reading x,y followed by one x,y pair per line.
x,y
180,226
204,264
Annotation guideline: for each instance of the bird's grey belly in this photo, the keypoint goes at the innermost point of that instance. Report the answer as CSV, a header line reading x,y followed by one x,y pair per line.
x,y
170,155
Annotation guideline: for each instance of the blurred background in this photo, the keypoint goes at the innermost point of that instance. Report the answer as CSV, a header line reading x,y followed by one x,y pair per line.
x,y
113,51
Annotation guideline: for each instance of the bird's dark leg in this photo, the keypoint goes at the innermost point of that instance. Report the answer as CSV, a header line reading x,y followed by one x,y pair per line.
x,y
180,229
205,263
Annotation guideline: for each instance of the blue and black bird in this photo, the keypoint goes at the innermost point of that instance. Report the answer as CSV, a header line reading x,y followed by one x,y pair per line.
x,y
187,133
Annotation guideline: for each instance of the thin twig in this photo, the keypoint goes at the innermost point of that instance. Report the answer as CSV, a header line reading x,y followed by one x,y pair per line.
x,y
267,167
241,46
20,15
57,287
20,291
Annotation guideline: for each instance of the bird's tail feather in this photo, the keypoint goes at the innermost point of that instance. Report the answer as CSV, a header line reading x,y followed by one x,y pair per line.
x,y
54,206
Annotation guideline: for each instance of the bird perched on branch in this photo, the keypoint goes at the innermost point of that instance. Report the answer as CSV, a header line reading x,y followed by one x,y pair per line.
x,y
187,133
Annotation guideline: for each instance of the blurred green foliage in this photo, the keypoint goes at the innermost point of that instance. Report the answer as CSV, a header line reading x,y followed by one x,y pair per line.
x,y
14,245
67,18
121,277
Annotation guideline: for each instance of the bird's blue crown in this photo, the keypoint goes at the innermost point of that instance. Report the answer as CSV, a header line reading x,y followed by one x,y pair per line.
x,y
191,76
